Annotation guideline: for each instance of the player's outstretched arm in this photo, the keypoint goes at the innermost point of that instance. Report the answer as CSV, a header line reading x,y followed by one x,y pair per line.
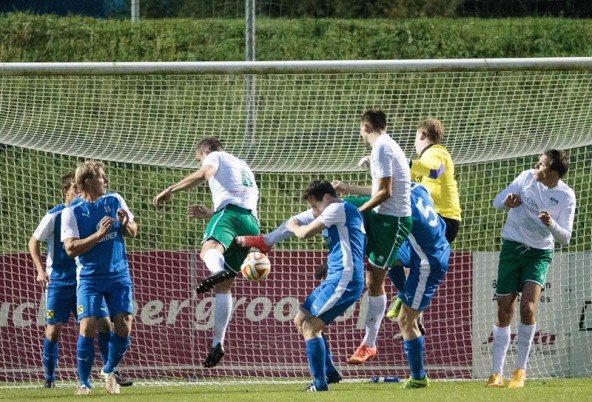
x,y
265,243
305,231
345,188
384,192
193,180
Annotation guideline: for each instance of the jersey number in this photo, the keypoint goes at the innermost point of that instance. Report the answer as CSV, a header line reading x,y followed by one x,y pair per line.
x,y
426,211
246,179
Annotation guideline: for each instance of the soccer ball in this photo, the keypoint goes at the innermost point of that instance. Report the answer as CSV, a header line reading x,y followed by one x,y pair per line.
x,y
256,266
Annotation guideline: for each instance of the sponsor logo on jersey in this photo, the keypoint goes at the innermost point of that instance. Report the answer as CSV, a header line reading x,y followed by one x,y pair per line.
x,y
553,200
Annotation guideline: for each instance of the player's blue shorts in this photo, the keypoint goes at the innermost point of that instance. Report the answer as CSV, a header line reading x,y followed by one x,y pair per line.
x,y
60,301
425,275
331,298
96,298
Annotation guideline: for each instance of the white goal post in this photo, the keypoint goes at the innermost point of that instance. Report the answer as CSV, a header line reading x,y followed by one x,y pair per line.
x,y
293,122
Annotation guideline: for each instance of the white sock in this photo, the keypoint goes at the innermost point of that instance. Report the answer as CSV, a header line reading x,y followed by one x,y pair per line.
x,y
376,309
214,260
222,314
499,348
525,337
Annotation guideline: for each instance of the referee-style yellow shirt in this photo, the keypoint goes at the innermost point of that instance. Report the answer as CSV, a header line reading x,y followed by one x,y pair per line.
x,y
434,170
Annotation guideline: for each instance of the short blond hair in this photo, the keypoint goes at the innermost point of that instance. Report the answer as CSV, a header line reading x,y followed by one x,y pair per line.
x,y
433,128
87,170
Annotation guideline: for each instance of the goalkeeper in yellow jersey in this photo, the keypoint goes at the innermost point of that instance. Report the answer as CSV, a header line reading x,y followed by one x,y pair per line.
x,y
434,170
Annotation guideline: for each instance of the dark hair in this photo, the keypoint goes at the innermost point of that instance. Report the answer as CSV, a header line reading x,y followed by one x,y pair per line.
x,y
67,180
559,161
376,119
433,129
317,190
209,144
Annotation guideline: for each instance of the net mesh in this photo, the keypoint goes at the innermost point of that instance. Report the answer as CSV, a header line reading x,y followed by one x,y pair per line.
x,y
305,127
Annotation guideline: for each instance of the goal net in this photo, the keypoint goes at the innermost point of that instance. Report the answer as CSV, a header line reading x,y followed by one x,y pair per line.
x,y
293,122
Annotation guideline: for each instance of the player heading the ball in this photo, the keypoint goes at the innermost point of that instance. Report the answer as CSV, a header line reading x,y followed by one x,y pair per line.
x,y
235,196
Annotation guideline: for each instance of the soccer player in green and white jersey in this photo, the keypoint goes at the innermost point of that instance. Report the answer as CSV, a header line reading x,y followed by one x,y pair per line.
x,y
386,209
235,195
541,212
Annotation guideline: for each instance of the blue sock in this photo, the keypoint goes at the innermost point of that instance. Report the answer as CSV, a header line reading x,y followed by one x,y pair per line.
x,y
329,366
397,276
50,358
104,338
117,348
316,354
85,353
414,351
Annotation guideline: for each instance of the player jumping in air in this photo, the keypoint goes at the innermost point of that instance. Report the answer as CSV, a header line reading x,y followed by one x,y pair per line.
x,y
235,195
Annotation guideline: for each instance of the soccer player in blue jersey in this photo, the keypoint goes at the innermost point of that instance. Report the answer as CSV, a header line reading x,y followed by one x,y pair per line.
x,y
58,276
342,226
425,252
92,232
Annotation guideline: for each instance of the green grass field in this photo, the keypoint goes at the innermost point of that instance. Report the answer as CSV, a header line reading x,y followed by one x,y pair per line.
x,y
458,391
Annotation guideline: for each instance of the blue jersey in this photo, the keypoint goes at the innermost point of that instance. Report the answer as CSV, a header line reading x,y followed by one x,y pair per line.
x,y
346,238
59,266
427,239
107,260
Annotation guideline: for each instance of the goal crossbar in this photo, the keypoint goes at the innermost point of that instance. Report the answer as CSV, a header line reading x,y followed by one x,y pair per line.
x,y
286,67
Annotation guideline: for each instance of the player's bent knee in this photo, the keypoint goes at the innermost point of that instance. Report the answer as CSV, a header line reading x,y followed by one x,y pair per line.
x,y
310,330
408,317
104,325
122,324
88,327
53,332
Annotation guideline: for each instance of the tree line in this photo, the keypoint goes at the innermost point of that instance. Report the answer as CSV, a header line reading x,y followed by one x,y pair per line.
x,y
346,9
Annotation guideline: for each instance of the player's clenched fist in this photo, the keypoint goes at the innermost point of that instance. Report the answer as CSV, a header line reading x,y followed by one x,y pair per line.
x,y
122,217
105,225
512,200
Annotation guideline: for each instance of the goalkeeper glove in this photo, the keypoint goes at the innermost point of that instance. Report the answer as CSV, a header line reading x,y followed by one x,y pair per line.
x,y
364,162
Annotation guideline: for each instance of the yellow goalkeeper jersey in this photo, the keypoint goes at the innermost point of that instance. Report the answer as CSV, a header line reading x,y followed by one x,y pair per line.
x,y
434,169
